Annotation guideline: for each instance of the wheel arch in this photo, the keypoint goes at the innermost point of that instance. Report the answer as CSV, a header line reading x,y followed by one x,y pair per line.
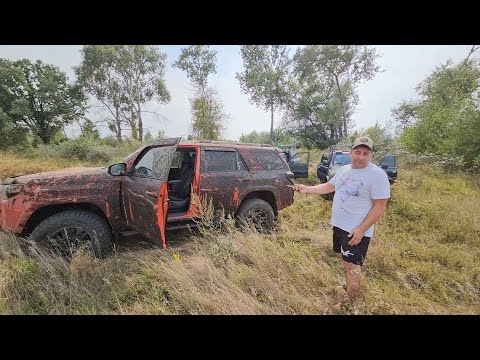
x,y
268,196
45,212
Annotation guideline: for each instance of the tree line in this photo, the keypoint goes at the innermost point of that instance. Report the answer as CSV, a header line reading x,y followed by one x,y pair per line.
x,y
37,100
315,90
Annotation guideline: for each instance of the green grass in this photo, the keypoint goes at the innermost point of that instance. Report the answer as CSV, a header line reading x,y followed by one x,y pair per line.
x,y
423,259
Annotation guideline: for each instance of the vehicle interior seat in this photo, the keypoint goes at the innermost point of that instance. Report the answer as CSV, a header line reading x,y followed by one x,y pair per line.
x,y
179,191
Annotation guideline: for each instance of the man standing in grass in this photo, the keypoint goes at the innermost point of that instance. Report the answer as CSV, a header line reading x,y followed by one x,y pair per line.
x,y
361,194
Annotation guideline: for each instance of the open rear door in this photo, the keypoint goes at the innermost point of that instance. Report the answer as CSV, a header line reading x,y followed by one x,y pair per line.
x,y
145,190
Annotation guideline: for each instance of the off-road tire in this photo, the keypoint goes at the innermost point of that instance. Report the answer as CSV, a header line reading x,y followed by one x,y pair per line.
x,y
258,213
94,231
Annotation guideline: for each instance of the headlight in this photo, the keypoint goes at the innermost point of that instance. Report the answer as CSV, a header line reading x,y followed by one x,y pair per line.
x,y
12,190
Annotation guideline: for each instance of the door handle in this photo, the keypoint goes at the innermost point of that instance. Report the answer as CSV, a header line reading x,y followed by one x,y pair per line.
x,y
151,194
241,180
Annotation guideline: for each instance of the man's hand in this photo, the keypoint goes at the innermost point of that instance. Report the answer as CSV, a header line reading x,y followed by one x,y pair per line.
x,y
300,188
357,235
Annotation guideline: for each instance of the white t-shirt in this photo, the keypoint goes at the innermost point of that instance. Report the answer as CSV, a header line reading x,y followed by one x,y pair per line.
x,y
354,191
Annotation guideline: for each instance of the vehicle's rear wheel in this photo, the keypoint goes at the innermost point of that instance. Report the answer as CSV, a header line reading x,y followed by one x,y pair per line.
x,y
257,213
72,230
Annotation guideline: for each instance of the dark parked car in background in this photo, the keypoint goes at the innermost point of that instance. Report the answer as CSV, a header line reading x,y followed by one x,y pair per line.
x,y
339,156
389,164
298,161
331,162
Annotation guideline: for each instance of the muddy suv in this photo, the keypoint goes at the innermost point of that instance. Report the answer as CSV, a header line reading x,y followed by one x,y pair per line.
x,y
149,192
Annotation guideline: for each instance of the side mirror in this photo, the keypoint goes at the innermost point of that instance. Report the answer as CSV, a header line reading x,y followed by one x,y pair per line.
x,y
384,166
325,162
117,169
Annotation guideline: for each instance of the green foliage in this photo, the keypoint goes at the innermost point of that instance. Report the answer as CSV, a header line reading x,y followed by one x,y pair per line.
x,y
36,97
110,141
89,130
209,116
265,76
148,137
9,133
198,61
263,137
446,121
160,135
123,78
326,77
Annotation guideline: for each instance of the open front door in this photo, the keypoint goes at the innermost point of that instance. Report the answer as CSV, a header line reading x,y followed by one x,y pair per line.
x,y
299,164
144,190
389,164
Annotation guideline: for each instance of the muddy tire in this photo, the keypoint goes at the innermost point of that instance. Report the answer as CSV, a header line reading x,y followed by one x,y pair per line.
x,y
258,213
71,230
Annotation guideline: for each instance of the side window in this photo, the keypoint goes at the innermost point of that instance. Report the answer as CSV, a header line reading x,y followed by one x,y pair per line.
x,y
268,159
240,163
153,163
217,160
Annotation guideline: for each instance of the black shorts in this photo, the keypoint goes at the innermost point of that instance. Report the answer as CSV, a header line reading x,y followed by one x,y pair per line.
x,y
352,254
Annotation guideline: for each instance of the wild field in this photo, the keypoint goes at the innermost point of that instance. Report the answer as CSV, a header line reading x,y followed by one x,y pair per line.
x,y
423,259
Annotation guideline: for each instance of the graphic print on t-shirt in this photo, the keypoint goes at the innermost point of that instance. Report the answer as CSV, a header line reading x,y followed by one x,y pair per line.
x,y
349,186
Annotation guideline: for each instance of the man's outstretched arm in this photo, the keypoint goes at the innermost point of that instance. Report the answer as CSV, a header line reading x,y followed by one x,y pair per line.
x,y
316,189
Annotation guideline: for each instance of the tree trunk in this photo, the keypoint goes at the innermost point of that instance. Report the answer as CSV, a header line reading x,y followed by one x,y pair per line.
x,y
44,135
271,123
133,124
343,109
140,123
119,124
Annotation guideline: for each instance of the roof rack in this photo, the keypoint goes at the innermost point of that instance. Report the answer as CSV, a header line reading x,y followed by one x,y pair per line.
x,y
229,142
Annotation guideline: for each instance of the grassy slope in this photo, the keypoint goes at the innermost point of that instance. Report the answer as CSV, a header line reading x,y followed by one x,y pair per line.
x,y
423,259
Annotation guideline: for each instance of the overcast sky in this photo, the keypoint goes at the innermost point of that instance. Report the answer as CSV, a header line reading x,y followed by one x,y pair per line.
x,y
405,66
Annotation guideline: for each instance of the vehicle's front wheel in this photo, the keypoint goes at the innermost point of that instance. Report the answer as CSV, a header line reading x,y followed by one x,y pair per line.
x,y
71,230
258,213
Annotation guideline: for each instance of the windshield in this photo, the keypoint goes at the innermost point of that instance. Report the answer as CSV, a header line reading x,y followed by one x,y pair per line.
x,y
389,160
342,159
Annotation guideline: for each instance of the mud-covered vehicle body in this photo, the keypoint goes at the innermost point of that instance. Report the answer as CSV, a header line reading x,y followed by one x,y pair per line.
x,y
150,192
